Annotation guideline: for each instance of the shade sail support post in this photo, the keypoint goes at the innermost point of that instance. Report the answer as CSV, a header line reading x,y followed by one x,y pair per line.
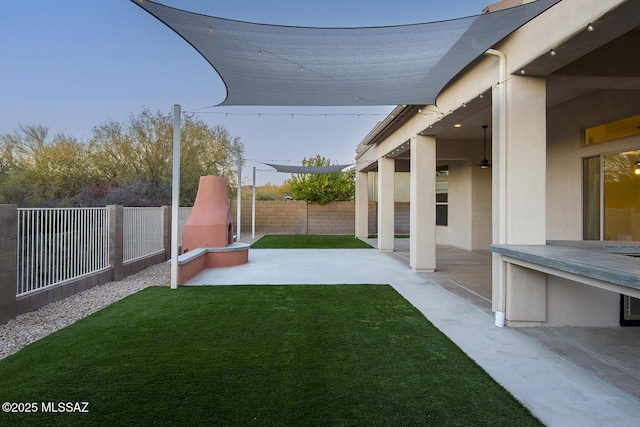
x,y
175,196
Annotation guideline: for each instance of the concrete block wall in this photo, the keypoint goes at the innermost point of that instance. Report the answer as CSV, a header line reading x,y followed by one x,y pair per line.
x,y
401,217
299,217
8,261
373,218
116,245
277,216
332,218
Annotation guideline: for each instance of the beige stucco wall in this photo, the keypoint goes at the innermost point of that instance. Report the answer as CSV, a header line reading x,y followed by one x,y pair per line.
x,y
570,303
469,222
460,207
443,236
481,202
469,196
565,151
400,182
574,304
469,207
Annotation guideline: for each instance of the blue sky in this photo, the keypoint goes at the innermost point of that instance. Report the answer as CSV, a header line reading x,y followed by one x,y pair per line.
x,y
70,65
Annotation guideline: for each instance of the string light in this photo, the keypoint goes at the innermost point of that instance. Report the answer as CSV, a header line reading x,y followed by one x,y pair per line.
x,y
259,114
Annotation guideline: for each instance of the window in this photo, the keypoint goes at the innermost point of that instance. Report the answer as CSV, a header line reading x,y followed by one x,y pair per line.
x,y
442,203
613,130
442,171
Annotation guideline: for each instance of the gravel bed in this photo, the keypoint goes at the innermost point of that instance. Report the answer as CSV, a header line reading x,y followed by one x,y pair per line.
x,y
30,327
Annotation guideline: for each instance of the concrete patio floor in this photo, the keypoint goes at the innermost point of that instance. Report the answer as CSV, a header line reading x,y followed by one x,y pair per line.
x,y
566,376
609,354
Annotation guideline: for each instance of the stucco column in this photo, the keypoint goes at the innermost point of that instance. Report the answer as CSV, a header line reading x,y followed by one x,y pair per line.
x,y
422,208
362,205
526,161
520,198
386,199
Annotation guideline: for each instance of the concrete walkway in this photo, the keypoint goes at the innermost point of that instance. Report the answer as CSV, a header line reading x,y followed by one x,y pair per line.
x,y
555,389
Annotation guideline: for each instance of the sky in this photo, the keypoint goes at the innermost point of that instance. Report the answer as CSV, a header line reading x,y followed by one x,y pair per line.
x,y
70,65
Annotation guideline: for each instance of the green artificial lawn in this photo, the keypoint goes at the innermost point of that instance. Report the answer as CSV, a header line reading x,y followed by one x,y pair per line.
x,y
336,355
309,241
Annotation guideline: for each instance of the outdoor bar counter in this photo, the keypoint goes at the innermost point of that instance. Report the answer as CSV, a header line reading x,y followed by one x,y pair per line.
x,y
612,265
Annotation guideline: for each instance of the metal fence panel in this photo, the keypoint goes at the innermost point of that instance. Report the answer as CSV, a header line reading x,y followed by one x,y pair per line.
x,y
59,244
183,215
142,230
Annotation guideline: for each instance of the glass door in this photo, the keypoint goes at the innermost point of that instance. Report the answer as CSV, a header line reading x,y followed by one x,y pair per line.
x,y
611,208
611,187
622,196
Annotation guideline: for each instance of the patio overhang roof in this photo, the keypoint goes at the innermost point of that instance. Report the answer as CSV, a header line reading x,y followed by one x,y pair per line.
x,y
303,66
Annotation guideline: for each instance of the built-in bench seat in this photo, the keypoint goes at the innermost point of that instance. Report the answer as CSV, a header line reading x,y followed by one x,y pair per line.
x,y
602,264
194,261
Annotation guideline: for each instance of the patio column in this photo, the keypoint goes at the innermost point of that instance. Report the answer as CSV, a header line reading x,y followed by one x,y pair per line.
x,y
362,205
422,210
386,200
520,197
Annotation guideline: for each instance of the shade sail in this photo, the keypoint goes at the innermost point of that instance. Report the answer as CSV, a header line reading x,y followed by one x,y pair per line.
x,y
303,66
308,169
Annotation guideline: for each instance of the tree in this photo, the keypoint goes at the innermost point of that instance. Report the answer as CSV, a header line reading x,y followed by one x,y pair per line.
x,y
38,171
126,163
322,188
206,151
141,149
269,192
